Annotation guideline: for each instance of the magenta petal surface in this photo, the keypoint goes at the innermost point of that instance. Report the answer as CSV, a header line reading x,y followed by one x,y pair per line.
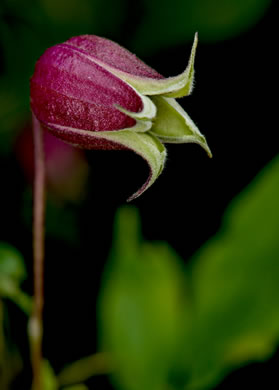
x,y
83,140
113,55
69,89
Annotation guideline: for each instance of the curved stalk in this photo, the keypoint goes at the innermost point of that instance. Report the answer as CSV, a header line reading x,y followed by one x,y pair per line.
x,y
36,321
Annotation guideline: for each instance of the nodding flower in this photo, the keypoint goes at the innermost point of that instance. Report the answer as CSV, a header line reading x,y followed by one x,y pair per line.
x,y
95,94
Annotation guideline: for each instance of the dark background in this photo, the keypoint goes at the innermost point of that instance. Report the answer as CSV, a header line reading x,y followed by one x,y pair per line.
x,y
232,104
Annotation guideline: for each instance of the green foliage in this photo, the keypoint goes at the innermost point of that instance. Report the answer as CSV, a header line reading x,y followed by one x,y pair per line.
x,y
235,284
10,361
49,379
83,369
161,333
213,19
139,311
51,382
165,326
11,263
76,387
12,273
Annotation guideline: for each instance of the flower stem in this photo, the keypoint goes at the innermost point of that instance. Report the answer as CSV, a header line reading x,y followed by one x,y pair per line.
x,y
36,321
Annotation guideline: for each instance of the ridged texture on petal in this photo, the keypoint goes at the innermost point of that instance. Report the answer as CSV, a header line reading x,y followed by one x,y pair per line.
x,y
129,68
70,89
113,55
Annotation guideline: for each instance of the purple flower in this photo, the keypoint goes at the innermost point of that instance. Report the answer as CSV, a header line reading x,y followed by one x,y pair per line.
x,y
93,93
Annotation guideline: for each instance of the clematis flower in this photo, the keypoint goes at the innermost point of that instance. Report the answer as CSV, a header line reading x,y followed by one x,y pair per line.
x,y
94,94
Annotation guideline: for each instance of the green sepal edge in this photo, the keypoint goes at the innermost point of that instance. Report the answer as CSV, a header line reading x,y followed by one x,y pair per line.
x,y
144,144
176,87
173,125
148,112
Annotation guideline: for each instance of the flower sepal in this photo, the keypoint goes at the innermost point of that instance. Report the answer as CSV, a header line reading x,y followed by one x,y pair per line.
x,y
176,87
173,125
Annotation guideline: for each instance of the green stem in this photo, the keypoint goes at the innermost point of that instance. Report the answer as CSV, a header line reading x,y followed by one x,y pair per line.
x,y
36,321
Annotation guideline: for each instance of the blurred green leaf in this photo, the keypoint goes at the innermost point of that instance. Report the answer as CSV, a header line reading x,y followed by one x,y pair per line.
x,y
83,369
235,285
76,387
12,273
11,263
10,360
165,24
49,378
139,307
8,289
230,297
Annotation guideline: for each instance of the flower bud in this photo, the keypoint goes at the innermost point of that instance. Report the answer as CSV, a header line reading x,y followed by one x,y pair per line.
x,y
93,93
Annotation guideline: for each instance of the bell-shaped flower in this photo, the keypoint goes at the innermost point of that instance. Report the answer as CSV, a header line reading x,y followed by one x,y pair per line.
x,y
94,94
